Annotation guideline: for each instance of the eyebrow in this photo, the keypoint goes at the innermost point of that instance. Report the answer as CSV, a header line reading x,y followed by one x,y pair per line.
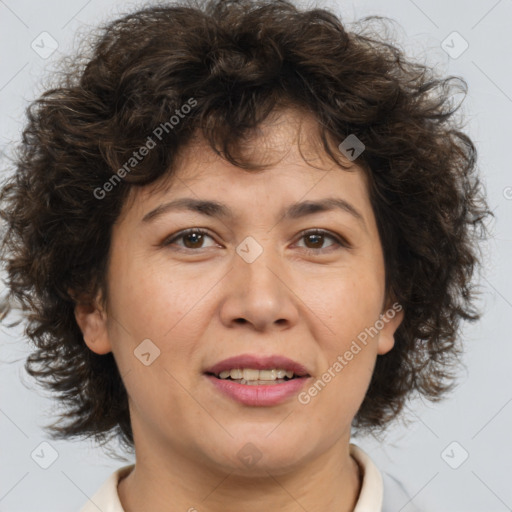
x,y
220,210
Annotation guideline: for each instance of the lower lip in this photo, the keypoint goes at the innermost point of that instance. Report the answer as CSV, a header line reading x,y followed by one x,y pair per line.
x,y
260,395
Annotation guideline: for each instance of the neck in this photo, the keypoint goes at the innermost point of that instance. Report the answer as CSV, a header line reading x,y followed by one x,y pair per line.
x,y
331,481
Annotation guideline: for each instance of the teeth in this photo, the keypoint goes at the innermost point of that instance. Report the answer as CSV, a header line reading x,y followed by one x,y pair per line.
x,y
267,375
249,374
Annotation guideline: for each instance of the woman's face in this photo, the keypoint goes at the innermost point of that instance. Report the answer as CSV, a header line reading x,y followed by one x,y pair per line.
x,y
254,284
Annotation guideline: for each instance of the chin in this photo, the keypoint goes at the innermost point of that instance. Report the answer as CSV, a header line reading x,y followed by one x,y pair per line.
x,y
266,465
258,455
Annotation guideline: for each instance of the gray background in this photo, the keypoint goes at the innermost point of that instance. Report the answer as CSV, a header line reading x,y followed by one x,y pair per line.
x,y
478,414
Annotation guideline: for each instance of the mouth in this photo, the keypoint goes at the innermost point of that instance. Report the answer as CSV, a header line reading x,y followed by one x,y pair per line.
x,y
257,369
256,377
259,381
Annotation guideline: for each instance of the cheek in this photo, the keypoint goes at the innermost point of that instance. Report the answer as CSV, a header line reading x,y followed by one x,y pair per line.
x,y
348,302
145,297
148,305
347,309
348,348
157,302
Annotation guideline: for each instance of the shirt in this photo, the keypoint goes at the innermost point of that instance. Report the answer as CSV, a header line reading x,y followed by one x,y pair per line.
x,y
372,497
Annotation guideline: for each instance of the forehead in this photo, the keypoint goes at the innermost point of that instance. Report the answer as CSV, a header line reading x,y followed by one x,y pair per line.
x,y
296,168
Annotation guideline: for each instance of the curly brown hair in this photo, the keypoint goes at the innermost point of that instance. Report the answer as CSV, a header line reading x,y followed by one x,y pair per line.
x,y
239,61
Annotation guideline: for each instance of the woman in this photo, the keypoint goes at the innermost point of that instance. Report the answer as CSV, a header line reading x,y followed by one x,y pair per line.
x,y
240,235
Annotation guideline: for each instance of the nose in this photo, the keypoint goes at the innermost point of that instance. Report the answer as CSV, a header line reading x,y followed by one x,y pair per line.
x,y
260,294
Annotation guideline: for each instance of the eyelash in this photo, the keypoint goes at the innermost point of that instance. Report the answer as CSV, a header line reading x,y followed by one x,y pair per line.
x,y
342,243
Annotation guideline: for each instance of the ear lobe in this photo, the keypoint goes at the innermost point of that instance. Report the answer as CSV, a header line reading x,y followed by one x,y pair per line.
x,y
391,318
92,320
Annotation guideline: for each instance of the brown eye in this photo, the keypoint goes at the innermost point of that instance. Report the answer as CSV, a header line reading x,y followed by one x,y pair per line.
x,y
315,239
193,238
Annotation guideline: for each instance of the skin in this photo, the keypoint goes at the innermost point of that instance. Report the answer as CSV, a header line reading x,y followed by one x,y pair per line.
x,y
205,303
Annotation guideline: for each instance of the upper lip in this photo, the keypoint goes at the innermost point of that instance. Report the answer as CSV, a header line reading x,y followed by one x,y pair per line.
x,y
259,362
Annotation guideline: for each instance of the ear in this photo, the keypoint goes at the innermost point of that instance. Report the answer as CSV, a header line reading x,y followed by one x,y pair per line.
x,y
391,317
92,320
